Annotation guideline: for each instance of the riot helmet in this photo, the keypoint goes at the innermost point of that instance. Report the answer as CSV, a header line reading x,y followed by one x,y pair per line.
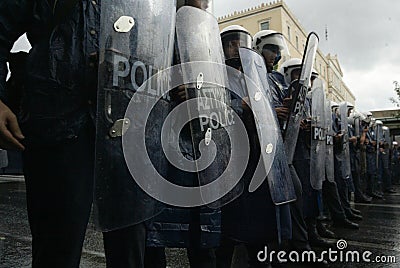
x,y
314,74
272,45
232,38
351,119
350,108
334,106
291,69
366,117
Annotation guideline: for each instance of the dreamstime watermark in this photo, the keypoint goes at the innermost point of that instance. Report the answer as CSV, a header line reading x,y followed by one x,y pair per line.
x,y
340,254
213,111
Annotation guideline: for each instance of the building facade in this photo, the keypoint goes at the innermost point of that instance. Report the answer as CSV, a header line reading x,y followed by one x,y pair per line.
x,y
277,16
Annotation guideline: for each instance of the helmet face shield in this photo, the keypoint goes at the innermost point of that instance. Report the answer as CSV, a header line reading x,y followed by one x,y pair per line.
x,y
276,42
231,41
288,67
274,39
270,41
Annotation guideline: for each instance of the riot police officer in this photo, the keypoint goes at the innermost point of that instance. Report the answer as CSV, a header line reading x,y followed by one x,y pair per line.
x,y
356,139
371,155
272,46
329,187
302,158
252,219
342,161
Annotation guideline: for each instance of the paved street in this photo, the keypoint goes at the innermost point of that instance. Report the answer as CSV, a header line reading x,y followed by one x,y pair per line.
x,y
379,232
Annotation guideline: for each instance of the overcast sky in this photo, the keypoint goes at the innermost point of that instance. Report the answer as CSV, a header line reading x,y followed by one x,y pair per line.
x,y
365,35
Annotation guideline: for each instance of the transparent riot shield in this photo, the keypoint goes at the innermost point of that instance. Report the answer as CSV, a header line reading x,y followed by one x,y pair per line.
x,y
345,154
299,89
357,126
329,158
212,120
273,162
386,135
3,158
379,131
136,42
318,137
379,139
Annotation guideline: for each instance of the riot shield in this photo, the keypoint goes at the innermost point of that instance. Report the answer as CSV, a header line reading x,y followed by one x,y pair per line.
x,y
329,158
273,161
357,126
318,137
3,158
345,154
212,118
379,139
136,41
386,135
379,131
299,88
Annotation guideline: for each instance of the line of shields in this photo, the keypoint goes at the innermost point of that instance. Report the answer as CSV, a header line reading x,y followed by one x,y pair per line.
x,y
149,55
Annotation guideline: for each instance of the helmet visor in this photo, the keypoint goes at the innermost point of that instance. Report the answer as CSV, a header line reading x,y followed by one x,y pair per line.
x,y
277,44
231,41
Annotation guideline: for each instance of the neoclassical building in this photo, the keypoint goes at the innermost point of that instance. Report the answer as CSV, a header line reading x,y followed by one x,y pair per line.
x,y
277,16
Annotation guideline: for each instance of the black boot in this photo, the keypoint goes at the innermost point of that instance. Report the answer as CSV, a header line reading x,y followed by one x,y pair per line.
x,y
355,211
376,195
324,232
363,199
345,223
354,217
313,237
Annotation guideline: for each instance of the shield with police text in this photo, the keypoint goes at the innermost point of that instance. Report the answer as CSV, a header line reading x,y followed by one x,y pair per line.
x,y
136,42
329,157
273,163
211,119
318,135
344,129
298,91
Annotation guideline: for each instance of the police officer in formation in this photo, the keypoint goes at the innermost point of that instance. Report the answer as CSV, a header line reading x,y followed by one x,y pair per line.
x,y
53,122
240,228
272,46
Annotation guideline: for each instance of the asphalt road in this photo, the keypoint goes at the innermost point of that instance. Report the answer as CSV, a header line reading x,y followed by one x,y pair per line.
x,y
379,233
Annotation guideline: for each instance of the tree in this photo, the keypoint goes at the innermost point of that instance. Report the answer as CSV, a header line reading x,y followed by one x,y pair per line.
x,y
397,90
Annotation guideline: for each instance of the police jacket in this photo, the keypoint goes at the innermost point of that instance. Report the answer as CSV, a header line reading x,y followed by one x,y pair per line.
x,y
60,70
278,88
